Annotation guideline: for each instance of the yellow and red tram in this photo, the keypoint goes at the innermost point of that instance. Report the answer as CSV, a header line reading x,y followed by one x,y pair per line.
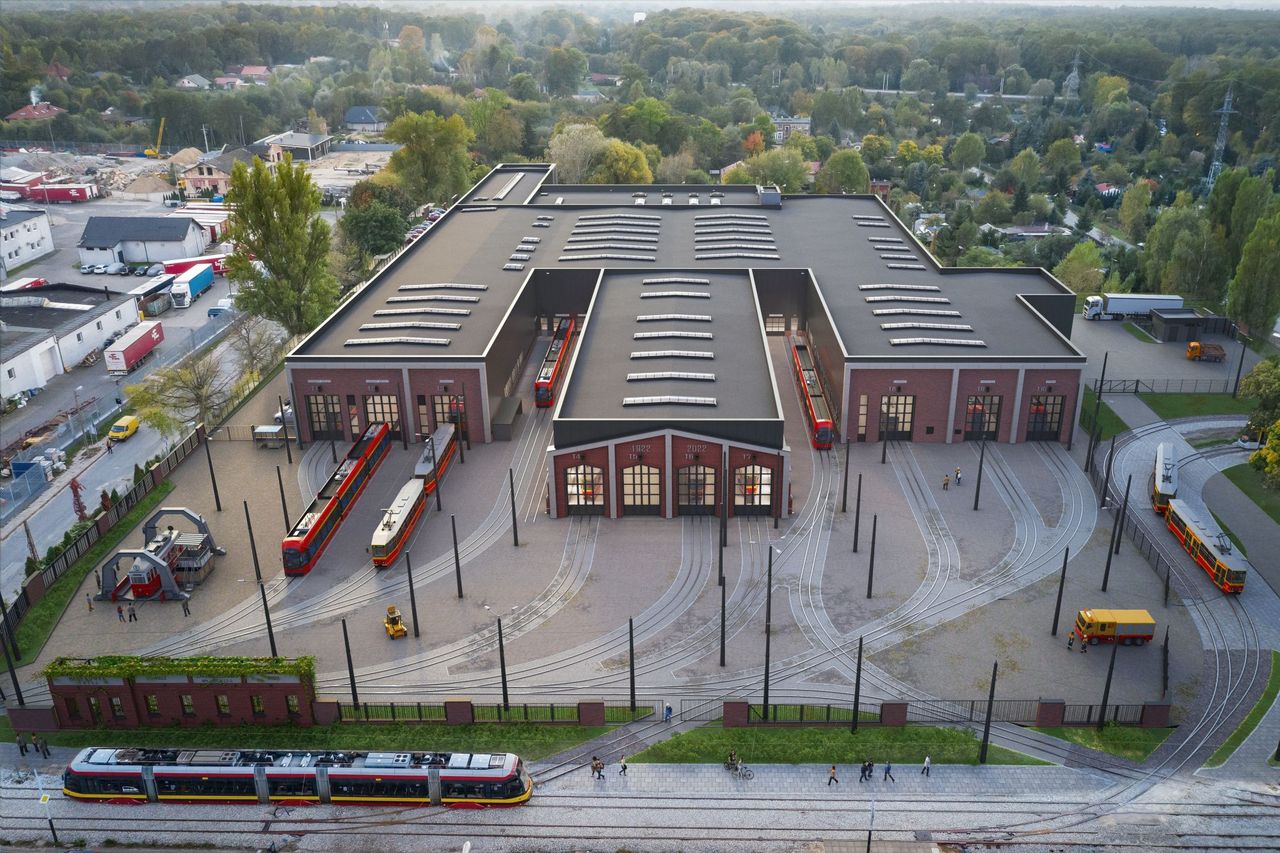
x,y
1208,546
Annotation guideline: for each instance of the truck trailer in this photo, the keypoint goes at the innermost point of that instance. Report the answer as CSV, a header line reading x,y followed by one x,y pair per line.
x,y
1123,306
191,285
1197,351
133,348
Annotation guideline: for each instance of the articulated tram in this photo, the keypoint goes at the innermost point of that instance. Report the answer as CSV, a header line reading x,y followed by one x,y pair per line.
x,y
553,364
442,443
814,401
1208,546
398,524
208,776
1164,478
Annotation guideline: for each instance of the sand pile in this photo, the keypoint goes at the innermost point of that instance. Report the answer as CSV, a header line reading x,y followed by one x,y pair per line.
x,y
186,157
149,184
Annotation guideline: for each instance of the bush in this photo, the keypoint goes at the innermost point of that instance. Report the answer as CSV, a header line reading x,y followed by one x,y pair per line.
x,y
34,564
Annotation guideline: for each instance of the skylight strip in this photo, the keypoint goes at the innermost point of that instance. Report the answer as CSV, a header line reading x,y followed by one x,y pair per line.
x,y
947,342
707,216
609,244
667,294
906,266
530,239
612,235
513,267
608,256
743,230
625,227
937,299
738,255
520,256
672,334
923,312
476,209
511,184
955,327
729,223
899,258
361,342
695,318
668,400
932,287
868,217
444,285
546,217
763,238
542,225
410,324
671,374
439,312
748,247
650,216
873,224
437,298
885,239
672,353
676,280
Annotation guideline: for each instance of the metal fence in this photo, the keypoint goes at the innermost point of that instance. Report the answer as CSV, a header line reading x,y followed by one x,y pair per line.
x,y
62,145
1084,715
1164,386
59,565
390,712
810,714
420,712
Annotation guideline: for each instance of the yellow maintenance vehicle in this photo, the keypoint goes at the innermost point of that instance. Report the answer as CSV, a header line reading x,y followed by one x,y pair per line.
x,y
394,623
1126,627
154,153
1197,351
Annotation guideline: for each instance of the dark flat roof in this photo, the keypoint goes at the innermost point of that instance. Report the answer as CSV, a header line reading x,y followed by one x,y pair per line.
x,y
30,316
736,376
851,243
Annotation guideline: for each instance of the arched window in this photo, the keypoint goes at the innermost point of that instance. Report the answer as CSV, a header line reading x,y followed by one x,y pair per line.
x,y
696,490
752,490
641,490
584,485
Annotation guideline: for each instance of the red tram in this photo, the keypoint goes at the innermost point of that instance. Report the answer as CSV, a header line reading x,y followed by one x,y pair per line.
x,y
299,777
309,536
555,363
815,402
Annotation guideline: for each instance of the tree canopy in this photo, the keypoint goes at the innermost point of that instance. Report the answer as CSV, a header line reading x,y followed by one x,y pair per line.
x,y
434,163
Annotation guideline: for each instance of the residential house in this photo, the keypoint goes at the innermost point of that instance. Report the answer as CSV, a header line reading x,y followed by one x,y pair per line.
x,y
214,174
193,82
1022,233
42,111
303,146
255,73
57,71
363,120
228,82
25,236
784,126
140,239
50,330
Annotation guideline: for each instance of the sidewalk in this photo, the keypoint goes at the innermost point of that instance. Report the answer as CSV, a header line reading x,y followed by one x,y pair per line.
x,y
1130,409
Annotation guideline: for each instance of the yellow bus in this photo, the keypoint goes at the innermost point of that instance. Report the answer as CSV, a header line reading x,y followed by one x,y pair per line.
x,y
1127,627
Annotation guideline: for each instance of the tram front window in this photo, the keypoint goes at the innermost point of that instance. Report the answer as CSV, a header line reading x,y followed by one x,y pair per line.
x,y
294,558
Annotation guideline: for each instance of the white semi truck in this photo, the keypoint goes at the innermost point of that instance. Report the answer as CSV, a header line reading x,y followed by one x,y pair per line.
x,y
1122,306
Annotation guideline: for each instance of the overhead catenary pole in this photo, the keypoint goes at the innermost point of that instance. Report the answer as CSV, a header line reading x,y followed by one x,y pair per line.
x,y
1124,513
284,424
457,560
722,622
351,669
333,451
1113,545
844,490
1062,580
284,506
413,600
884,434
1106,477
435,461
631,658
1106,688
871,566
515,527
13,675
502,666
986,726
857,690
262,588
1097,409
1235,389
857,514
213,478
768,630
982,460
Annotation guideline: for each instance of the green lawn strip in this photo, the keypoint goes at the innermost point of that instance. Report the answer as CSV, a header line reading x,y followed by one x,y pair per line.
x,y
531,741
1111,422
1202,443
756,745
1250,722
1169,406
1139,333
38,623
1249,480
1230,533
1130,742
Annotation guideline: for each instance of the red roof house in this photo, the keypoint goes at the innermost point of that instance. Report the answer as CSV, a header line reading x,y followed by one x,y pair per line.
x,y
35,112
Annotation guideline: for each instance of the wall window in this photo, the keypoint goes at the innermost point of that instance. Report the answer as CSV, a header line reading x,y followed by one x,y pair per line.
x,y
862,417
696,490
11,373
98,325
117,707
642,490
224,705
259,707
79,337
753,490
73,707
188,705
584,486
897,416
118,314
353,414
153,704
425,425
450,409
383,408
982,417
291,703
95,709
324,414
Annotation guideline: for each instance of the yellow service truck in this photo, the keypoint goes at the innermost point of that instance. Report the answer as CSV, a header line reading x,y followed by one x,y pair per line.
x,y
1127,627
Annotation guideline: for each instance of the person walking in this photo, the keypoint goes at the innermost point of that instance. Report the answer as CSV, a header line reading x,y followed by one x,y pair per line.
x,y
946,481
666,713
622,760
22,744
88,599
862,775
924,769
186,607
42,745
888,772
957,475
871,770
831,776
133,614
110,449
120,612
97,580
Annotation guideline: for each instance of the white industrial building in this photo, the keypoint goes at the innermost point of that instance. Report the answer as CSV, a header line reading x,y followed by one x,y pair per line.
x,y
50,330
140,239
25,236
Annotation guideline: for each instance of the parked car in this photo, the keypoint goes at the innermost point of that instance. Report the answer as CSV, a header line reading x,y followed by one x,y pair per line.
x,y
124,428
86,268
116,269
285,414
435,213
100,268
140,271
155,269
224,306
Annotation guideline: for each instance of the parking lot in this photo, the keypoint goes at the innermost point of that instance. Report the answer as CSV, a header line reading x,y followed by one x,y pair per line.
x,y
1129,357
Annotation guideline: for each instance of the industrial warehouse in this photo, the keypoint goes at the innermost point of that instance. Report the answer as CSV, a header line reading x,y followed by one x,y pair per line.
x,y
665,298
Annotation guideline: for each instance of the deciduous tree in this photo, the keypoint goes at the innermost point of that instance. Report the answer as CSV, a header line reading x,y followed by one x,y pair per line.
x,y
1063,156
375,228
1026,168
844,173
433,164
1263,383
781,166
621,163
1133,210
192,390
968,151
1081,269
575,150
1184,256
282,245
1254,299
564,68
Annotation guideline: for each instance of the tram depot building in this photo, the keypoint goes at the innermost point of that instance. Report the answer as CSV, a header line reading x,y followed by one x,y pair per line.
x,y
675,291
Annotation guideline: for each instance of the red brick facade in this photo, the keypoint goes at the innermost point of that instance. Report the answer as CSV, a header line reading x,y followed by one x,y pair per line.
x,y
125,703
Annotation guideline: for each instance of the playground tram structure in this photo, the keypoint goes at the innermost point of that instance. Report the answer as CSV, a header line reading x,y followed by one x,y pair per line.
x,y
554,364
170,562
308,537
228,776
1208,546
1164,478
816,408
